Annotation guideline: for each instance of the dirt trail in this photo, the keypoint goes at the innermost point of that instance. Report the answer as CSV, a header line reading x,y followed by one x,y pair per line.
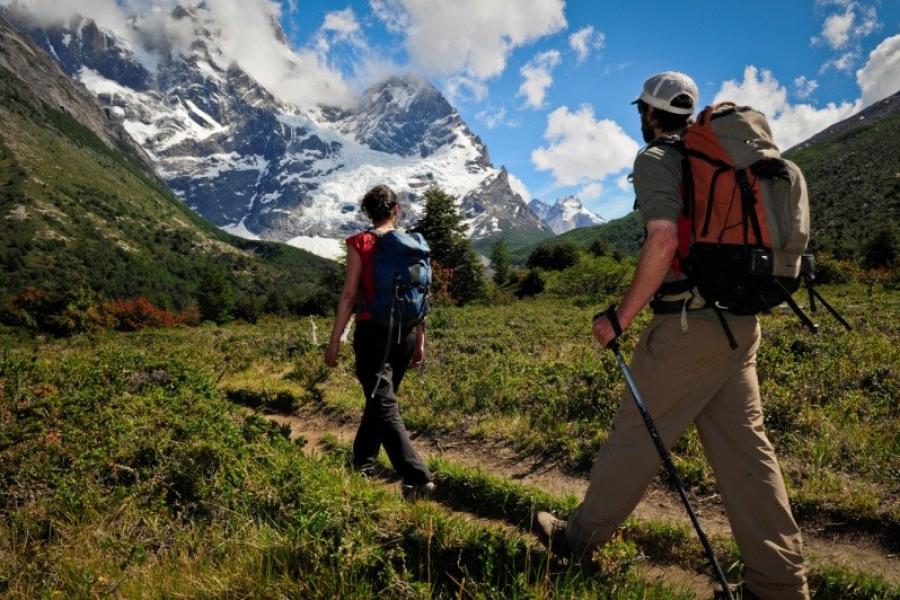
x,y
855,551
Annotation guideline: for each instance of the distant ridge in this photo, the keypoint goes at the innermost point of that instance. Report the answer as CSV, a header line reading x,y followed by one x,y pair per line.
x,y
876,112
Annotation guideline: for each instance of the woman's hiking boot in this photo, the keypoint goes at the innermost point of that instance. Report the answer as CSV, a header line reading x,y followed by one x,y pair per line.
x,y
417,492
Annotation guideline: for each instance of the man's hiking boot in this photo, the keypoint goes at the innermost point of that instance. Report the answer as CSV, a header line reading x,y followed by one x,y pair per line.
x,y
552,532
417,492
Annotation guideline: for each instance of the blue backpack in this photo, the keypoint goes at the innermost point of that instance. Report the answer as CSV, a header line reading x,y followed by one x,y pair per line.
x,y
402,275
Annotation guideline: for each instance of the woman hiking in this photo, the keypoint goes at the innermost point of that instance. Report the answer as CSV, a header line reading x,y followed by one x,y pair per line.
x,y
389,334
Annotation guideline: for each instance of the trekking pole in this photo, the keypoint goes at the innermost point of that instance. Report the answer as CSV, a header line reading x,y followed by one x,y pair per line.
x,y
661,447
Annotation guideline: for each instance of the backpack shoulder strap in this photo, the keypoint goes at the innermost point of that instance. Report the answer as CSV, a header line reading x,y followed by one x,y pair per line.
x,y
671,141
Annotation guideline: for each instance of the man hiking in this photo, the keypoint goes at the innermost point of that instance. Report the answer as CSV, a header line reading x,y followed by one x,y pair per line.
x,y
688,371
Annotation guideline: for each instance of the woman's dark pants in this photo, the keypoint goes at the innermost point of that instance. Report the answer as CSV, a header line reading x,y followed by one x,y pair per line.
x,y
381,423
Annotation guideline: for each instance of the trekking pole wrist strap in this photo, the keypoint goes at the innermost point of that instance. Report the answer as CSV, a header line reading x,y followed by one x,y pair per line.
x,y
610,314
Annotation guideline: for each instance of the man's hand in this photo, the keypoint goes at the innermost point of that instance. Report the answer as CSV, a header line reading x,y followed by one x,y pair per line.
x,y
331,354
603,331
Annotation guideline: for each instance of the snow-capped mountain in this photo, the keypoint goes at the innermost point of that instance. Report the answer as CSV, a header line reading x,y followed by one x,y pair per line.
x,y
565,214
259,167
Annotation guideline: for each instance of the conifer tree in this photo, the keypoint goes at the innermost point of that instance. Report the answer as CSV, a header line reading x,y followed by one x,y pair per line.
x,y
215,297
442,226
501,261
444,230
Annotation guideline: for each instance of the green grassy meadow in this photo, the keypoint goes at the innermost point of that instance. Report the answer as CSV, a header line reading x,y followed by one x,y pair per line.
x,y
131,465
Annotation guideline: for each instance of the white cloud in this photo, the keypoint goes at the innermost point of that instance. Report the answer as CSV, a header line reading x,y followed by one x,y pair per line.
x,y
803,87
845,62
520,188
584,40
395,19
591,191
836,29
844,30
496,117
791,123
107,13
581,147
880,77
623,184
537,74
248,38
460,88
341,21
474,37
869,22
339,26
246,32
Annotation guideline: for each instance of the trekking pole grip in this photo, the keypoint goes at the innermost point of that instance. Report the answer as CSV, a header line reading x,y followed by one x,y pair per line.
x,y
610,314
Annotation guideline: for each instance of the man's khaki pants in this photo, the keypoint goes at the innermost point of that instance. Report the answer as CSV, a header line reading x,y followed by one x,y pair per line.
x,y
696,377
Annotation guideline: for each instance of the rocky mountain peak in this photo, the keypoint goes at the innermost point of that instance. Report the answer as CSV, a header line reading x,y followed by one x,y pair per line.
x,y
260,167
565,214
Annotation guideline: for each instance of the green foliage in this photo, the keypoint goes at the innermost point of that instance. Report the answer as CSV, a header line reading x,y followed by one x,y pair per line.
x,y
215,297
531,284
623,236
883,248
442,226
599,247
77,214
595,279
467,283
527,374
553,257
249,308
126,473
473,490
444,230
830,270
165,489
501,261
853,187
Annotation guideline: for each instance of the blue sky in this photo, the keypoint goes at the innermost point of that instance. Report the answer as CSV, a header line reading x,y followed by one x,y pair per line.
x,y
811,50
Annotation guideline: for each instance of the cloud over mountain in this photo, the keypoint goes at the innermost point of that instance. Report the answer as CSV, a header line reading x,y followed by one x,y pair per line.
x,y
247,30
472,37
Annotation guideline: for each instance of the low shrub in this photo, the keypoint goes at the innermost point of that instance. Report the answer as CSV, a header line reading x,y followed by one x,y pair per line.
x,y
554,257
593,278
132,314
531,284
833,270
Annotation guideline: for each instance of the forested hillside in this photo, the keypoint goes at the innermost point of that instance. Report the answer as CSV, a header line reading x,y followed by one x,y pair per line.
x,y
81,213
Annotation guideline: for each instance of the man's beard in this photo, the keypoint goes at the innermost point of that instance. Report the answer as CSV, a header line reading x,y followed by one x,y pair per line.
x,y
647,130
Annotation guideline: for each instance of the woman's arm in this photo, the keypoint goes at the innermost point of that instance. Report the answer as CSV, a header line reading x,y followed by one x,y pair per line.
x,y
418,356
345,305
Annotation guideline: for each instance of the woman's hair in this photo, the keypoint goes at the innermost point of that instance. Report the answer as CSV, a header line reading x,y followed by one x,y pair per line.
x,y
379,202
666,121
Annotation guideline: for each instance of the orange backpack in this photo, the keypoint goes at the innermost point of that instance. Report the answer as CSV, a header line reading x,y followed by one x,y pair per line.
x,y
744,224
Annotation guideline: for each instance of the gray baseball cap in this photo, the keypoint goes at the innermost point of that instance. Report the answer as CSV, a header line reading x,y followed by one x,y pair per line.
x,y
661,89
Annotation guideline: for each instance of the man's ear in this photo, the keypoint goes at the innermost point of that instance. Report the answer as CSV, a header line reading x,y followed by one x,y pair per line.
x,y
651,116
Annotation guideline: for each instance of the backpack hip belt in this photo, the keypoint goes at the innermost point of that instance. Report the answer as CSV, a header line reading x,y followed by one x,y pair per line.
x,y
673,299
